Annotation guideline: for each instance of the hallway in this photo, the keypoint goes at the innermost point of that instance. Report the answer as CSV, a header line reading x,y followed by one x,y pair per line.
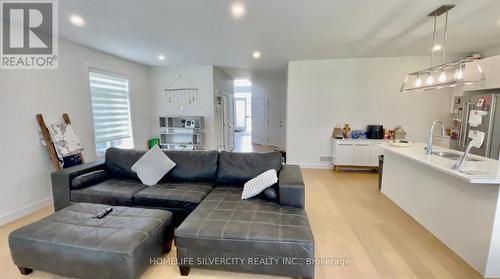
x,y
243,143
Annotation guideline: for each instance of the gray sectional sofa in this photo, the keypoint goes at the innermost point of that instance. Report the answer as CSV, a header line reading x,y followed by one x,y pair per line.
x,y
267,234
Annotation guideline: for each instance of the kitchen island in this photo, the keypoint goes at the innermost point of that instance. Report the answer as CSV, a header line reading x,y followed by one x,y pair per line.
x,y
462,209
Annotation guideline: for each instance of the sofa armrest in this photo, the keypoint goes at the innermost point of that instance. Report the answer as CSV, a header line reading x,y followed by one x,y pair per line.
x,y
291,186
61,182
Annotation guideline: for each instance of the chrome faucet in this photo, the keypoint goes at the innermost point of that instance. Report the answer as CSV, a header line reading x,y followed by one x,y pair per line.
x,y
431,135
460,163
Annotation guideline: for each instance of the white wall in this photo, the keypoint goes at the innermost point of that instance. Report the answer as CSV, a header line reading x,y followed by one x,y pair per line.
x,y
24,165
267,83
361,91
199,76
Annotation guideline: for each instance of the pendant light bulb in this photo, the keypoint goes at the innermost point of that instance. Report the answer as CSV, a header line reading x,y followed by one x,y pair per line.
x,y
430,80
442,77
418,82
459,74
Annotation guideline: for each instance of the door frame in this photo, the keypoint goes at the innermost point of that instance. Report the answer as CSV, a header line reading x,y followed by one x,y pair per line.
x,y
227,122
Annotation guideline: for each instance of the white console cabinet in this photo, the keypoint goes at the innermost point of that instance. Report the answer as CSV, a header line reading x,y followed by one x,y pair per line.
x,y
356,152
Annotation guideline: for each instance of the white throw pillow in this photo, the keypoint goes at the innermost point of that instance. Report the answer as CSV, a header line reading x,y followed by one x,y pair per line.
x,y
152,166
258,184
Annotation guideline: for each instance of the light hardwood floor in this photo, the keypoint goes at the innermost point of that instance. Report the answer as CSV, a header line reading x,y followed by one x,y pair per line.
x,y
350,219
243,143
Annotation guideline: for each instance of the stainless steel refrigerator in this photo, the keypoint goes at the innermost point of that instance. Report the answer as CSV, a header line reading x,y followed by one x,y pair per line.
x,y
487,105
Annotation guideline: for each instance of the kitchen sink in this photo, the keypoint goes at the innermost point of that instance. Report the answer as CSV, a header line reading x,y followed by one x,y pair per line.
x,y
451,156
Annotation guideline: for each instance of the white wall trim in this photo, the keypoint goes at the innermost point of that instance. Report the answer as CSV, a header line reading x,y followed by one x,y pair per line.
x,y
25,210
323,166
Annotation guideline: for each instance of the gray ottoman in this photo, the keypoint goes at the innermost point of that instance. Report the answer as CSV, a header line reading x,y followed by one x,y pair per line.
x,y
72,243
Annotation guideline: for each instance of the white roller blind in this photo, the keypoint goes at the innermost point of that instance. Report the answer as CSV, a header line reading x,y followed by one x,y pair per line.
x,y
111,111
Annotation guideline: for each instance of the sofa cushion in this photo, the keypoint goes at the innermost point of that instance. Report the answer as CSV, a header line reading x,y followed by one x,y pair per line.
x,y
258,184
193,165
238,168
112,191
186,195
89,179
153,166
225,223
270,194
119,162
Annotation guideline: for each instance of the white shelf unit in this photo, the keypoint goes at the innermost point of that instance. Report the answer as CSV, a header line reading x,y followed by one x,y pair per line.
x,y
182,133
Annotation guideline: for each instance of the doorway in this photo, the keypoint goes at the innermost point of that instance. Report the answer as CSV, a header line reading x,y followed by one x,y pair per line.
x,y
247,117
243,115
241,109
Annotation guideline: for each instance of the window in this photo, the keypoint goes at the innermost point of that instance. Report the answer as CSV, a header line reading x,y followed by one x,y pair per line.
x,y
111,111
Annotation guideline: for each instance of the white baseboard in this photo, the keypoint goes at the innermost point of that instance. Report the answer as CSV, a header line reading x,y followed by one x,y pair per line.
x,y
25,210
316,165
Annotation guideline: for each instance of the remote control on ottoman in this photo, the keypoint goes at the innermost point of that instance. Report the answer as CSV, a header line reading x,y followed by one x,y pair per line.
x,y
103,213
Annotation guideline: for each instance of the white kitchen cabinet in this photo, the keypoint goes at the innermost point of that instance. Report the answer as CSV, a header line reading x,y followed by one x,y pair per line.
x,y
356,153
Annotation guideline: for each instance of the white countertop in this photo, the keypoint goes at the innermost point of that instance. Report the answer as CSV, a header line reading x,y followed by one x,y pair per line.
x,y
485,171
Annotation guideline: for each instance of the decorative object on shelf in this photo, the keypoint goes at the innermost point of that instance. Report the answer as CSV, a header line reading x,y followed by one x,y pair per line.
x,y
466,70
399,133
392,134
346,131
337,132
356,134
183,96
182,132
386,134
152,142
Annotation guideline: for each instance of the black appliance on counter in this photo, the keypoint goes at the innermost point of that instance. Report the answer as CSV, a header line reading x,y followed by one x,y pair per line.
x,y
375,132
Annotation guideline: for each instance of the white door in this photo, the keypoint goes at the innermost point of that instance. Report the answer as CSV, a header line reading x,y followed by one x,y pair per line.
x,y
231,122
228,125
259,125
276,121
240,105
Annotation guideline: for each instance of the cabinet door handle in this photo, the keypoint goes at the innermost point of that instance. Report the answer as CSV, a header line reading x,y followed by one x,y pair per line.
x,y
360,144
346,144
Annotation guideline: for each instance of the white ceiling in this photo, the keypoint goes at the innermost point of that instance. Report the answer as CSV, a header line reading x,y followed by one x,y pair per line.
x,y
204,32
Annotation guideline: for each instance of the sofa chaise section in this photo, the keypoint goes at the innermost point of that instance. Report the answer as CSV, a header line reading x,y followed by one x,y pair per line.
x,y
255,231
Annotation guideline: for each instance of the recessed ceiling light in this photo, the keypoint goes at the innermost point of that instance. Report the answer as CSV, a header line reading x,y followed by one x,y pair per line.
x,y
77,20
161,57
437,47
256,54
237,10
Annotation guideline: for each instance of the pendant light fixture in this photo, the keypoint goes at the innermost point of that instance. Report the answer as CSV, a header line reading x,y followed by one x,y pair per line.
x,y
445,74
